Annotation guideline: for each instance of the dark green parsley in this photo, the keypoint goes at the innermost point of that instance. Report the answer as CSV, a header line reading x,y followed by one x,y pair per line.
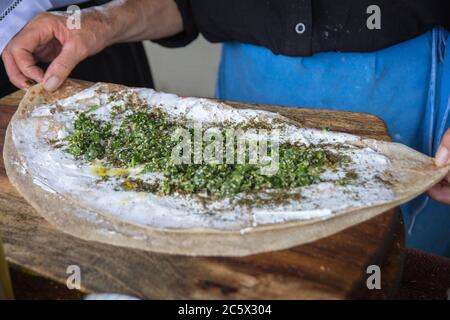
x,y
298,166
144,138
89,138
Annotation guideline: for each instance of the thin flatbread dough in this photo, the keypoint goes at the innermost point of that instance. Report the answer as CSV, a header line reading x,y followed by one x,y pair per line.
x,y
412,173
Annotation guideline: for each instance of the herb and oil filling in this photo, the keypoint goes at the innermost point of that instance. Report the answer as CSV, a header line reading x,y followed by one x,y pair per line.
x,y
143,139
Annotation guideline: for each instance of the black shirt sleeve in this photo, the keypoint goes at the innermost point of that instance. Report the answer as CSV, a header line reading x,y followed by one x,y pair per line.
x,y
190,31
305,27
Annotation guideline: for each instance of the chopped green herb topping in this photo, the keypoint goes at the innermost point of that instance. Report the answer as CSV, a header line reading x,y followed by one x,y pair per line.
x,y
89,138
144,138
299,166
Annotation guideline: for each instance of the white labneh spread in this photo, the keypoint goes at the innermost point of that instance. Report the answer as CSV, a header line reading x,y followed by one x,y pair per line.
x,y
54,170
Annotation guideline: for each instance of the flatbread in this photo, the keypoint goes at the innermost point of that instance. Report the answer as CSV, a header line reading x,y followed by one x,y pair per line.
x,y
413,174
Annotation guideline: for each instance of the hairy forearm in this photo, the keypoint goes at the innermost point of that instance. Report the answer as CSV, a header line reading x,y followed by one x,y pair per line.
x,y
136,20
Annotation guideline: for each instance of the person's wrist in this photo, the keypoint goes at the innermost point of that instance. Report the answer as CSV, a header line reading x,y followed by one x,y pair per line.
x,y
103,25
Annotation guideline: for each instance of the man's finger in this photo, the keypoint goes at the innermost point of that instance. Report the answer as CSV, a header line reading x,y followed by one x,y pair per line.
x,y
14,73
22,47
440,192
443,153
27,64
61,67
447,178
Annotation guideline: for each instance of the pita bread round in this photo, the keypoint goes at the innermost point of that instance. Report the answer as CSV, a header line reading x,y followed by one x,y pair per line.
x,y
415,174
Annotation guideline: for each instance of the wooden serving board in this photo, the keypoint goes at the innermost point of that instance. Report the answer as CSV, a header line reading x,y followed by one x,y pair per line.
x,y
331,268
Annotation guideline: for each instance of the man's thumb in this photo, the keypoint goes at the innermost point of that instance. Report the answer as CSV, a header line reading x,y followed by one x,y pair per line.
x,y
60,69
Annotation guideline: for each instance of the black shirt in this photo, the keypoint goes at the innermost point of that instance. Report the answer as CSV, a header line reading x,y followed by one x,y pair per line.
x,y
305,27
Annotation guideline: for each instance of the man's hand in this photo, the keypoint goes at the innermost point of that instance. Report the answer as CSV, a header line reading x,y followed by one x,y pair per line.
x,y
441,191
47,39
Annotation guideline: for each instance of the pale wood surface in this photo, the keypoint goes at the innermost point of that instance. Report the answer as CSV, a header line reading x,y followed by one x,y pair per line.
x,y
334,267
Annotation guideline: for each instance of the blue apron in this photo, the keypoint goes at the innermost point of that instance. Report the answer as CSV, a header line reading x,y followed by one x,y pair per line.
x,y
407,85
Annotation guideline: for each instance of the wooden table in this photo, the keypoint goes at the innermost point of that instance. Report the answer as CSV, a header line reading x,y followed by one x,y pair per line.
x,y
334,267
